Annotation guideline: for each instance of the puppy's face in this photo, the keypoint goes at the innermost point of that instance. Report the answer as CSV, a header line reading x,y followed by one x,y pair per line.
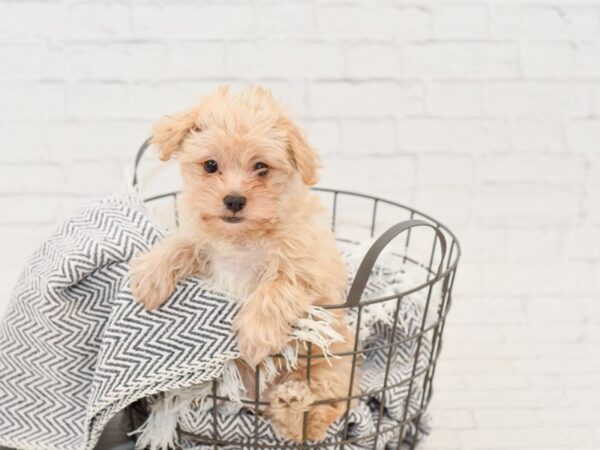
x,y
242,161
236,182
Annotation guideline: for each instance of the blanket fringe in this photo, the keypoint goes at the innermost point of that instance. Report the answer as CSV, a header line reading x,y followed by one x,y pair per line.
x,y
159,432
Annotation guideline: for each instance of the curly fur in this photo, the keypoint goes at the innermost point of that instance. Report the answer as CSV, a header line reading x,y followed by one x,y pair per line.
x,y
278,259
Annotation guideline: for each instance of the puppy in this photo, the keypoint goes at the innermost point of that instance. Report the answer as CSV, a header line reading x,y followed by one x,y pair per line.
x,y
250,226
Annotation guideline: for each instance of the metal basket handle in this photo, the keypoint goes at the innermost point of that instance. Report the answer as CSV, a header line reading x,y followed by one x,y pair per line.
x,y
366,266
138,158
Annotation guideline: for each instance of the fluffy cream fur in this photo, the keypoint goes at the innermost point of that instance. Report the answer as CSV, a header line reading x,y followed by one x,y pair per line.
x,y
276,257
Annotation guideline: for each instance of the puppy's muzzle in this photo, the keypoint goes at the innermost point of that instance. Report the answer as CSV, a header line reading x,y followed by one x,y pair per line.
x,y
234,203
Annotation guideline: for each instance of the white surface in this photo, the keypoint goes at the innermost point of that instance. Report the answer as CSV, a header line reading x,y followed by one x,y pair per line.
x,y
484,114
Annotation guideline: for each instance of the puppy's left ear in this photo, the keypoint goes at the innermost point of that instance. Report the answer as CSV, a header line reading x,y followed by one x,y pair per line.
x,y
304,156
169,132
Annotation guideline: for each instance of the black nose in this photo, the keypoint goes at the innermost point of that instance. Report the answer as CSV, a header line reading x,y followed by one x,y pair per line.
x,y
234,203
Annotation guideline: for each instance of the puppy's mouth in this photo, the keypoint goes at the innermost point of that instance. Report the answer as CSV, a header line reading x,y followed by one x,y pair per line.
x,y
232,219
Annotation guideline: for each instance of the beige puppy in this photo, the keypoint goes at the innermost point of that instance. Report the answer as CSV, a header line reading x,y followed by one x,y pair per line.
x,y
250,226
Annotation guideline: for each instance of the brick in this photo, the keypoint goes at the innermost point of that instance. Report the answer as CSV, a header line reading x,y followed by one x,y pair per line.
x,y
149,101
31,179
454,419
593,171
72,140
576,415
373,61
538,134
452,206
544,21
458,335
95,178
592,207
413,23
542,310
98,100
24,61
461,21
509,399
487,366
567,170
289,19
187,20
441,439
324,135
422,135
534,98
365,99
484,244
193,60
596,99
528,206
468,60
27,21
27,209
342,173
10,274
282,59
504,418
581,244
502,308
368,138
586,59
584,135
546,366
120,61
547,59
32,147
446,170
455,99
534,244
18,242
545,333
32,101
356,21
100,20
292,96
541,437
526,279
468,282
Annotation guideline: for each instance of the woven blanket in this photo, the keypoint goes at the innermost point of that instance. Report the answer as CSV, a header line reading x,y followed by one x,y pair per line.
x,y
75,348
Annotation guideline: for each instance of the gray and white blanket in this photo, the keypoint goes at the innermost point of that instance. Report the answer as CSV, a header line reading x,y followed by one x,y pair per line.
x,y
75,348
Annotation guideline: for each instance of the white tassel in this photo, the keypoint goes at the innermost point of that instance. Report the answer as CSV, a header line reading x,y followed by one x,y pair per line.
x,y
232,385
159,432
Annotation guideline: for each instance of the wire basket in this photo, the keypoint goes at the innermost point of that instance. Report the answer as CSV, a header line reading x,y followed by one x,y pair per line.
x,y
423,246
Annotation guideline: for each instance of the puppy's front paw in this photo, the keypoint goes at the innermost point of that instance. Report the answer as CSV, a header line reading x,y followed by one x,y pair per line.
x,y
258,340
265,320
150,285
261,331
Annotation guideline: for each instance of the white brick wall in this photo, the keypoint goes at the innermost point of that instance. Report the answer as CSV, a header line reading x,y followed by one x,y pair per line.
x,y
484,113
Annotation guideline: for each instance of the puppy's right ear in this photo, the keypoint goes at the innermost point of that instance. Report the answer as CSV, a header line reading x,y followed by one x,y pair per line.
x,y
169,132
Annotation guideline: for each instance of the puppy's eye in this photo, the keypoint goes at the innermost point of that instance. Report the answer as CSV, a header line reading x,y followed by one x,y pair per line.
x,y
262,167
211,166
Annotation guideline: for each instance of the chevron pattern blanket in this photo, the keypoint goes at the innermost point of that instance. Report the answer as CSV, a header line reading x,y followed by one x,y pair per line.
x,y
75,348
